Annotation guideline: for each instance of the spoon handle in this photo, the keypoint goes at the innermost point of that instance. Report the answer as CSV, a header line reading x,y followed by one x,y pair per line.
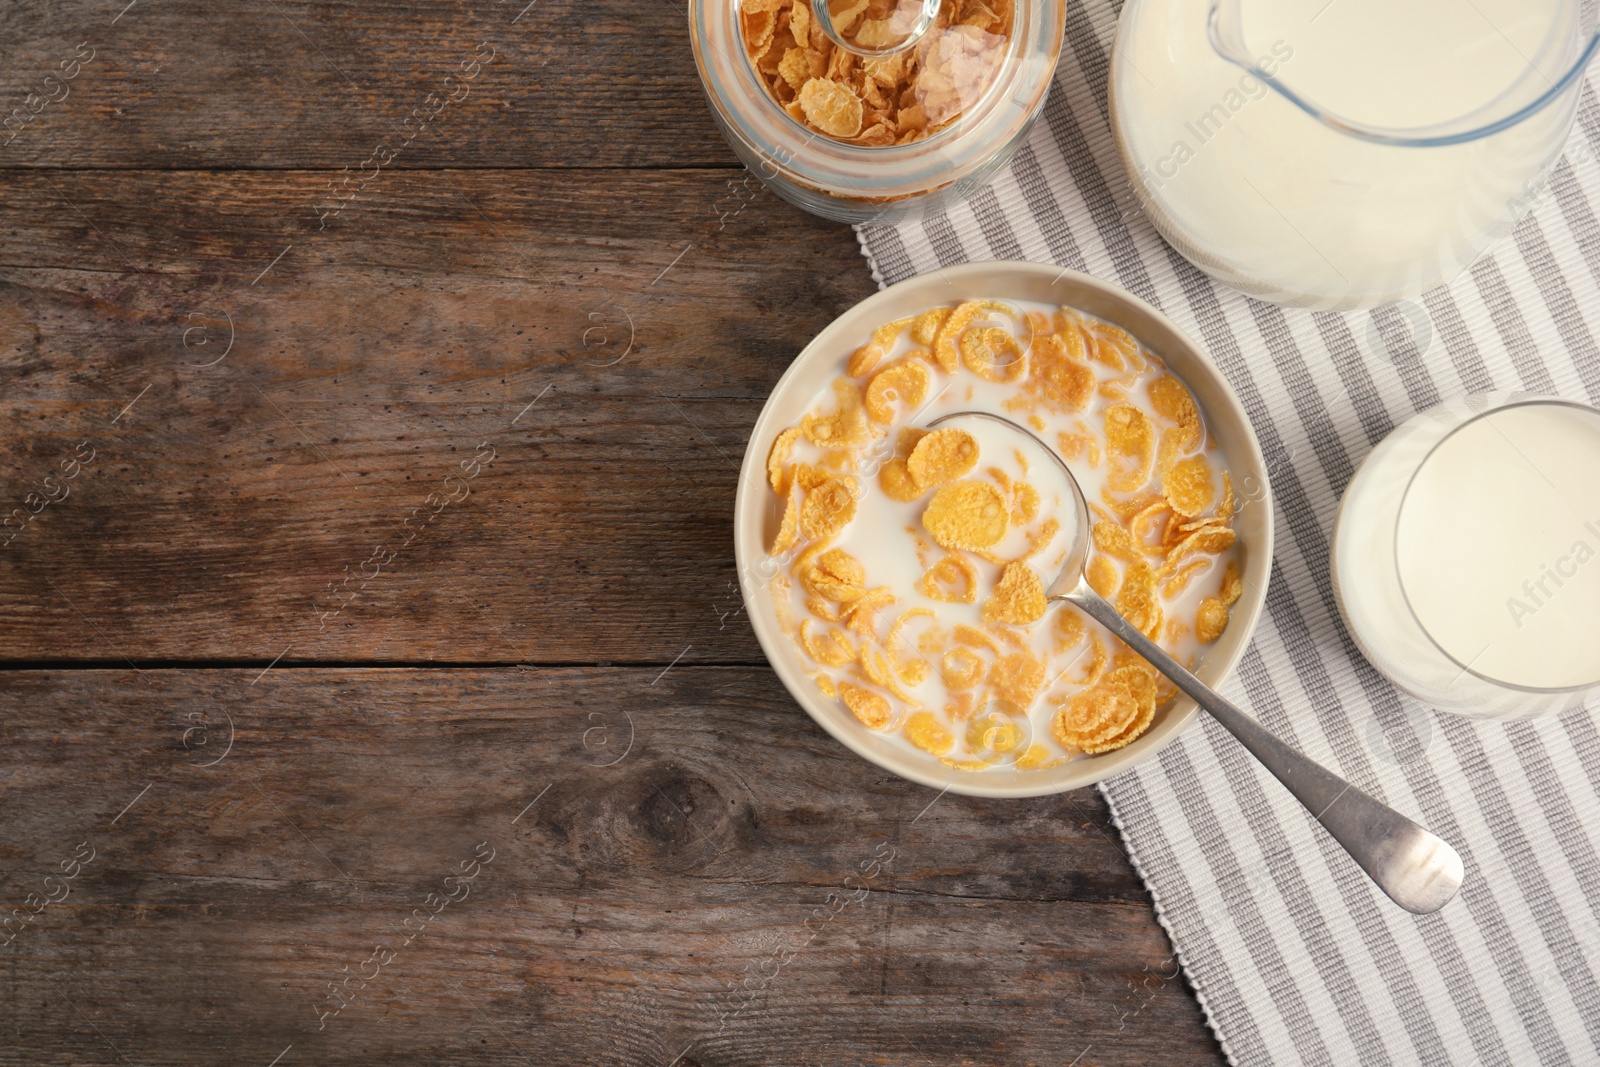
x,y
1418,870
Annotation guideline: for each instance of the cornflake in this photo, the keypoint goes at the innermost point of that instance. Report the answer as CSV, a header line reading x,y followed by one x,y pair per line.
x,y
1103,576
1058,375
993,354
973,637
994,733
778,460
831,648
1069,627
1017,677
1018,598
1211,619
1173,402
828,508
1039,540
822,609
862,615
876,666
1024,504
961,668
1209,539
1188,486
789,526
1035,758
1113,540
832,108
1115,347
846,426
925,731
836,575
865,358
906,440
1130,446
966,515
1138,601
900,624
942,456
808,476
1232,584
925,327
946,351
895,98
1175,442
895,479
1097,665
905,382
871,708
1146,524
1180,580
953,580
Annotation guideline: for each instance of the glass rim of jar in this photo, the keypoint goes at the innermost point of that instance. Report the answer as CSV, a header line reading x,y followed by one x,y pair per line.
x,y
869,174
1517,400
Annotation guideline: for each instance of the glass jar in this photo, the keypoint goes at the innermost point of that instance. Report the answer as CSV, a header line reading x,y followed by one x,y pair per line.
x,y
859,183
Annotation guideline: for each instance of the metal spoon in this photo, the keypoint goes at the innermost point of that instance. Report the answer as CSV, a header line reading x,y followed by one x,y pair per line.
x,y
1418,870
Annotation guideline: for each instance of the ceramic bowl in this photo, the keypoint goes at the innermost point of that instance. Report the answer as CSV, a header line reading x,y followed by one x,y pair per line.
x,y
757,509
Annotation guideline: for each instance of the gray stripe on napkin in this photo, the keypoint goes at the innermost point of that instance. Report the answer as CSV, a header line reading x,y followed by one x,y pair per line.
x,y
1463,351
1512,327
942,235
1358,381
1578,214
1046,212
996,230
1558,298
1585,741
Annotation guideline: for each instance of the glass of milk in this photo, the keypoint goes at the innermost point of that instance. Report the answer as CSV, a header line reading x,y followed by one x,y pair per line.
x,y
1466,555
1343,154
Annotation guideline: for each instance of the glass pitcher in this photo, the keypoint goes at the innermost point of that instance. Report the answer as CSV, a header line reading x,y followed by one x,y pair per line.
x,y
1343,153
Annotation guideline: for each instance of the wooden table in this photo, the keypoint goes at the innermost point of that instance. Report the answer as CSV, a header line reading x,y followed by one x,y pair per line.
x,y
376,683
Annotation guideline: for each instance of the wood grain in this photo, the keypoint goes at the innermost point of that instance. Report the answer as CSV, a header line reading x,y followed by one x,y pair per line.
x,y
294,84
367,363
280,294
633,881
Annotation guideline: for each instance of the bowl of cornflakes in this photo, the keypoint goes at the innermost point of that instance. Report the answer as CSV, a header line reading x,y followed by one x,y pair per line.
x,y
895,570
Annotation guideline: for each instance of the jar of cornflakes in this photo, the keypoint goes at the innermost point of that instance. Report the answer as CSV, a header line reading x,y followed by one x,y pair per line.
x,y
873,110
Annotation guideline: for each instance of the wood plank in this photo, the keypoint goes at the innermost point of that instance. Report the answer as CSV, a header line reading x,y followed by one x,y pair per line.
x,y
636,882
294,83
232,507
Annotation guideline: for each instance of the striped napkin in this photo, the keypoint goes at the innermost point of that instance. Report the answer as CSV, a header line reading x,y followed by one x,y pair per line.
x,y
1294,955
